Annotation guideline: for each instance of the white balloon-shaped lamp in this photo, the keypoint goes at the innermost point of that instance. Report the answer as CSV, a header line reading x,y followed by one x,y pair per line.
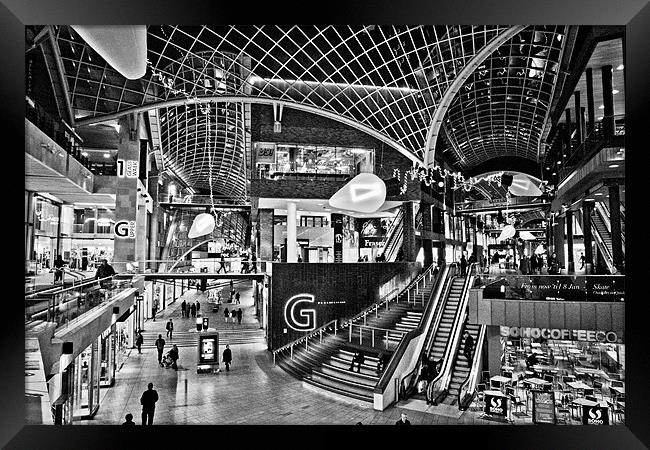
x,y
203,224
365,193
507,232
523,186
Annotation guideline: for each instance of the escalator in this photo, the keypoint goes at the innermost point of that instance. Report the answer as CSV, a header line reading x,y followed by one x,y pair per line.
x,y
601,230
394,237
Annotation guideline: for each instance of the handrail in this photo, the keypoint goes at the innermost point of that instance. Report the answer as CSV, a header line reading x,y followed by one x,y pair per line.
x,y
468,387
55,291
384,299
391,235
602,209
441,383
436,311
305,338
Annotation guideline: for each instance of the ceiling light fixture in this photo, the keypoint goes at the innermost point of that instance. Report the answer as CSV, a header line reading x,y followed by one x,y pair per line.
x,y
613,166
107,155
601,107
621,67
615,91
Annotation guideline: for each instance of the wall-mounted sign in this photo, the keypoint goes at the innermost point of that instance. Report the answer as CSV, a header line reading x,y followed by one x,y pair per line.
x,y
595,415
610,337
558,288
125,229
337,220
265,153
127,168
543,407
496,405
297,317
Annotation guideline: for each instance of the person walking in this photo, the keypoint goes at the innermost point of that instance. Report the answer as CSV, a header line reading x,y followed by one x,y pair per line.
x,y
173,354
239,316
222,264
103,271
160,346
193,309
254,262
582,260
170,329
148,402
403,420
139,340
359,358
463,265
227,357
237,298
129,419
58,269
198,307
226,314
183,308
468,347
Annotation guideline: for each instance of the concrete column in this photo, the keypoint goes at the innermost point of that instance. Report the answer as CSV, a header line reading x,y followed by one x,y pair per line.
x,y
579,136
408,242
127,196
265,224
569,240
615,223
586,229
559,241
427,227
591,112
291,232
493,342
608,101
568,130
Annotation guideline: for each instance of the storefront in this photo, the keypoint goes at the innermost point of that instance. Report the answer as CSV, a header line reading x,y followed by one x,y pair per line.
x,y
85,400
86,253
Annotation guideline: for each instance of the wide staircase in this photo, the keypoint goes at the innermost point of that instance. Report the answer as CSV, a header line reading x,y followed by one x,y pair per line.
x,y
442,334
245,333
326,362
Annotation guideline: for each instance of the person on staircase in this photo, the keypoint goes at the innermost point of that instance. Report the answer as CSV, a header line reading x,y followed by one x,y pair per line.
x,y
193,309
359,358
239,316
463,265
468,347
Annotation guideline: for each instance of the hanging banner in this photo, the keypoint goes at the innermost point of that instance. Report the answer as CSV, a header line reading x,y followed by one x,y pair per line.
x,y
337,221
592,288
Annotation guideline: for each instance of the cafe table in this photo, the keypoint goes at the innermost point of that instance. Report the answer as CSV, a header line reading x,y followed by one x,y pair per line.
x,y
500,379
593,372
535,344
547,368
582,402
536,381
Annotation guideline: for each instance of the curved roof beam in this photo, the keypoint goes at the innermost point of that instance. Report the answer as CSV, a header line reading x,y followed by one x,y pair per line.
x,y
454,87
263,101
510,163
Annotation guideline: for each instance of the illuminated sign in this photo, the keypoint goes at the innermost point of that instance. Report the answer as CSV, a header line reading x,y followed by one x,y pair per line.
x,y
208,348
562,334
298,318
595,415
127,168
125,229
496,406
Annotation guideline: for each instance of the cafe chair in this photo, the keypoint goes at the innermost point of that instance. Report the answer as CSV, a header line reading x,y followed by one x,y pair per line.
x,y
618,415
517,403
485,375
598,388
588,392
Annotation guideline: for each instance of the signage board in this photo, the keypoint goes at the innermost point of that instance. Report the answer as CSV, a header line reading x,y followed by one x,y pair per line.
x,y
127,168
265,153
496,405
337,220
208,348
593,288
595,415
560,334
543,407
125,229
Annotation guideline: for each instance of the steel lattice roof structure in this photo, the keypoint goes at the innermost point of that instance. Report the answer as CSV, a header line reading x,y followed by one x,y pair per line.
x,y
486,88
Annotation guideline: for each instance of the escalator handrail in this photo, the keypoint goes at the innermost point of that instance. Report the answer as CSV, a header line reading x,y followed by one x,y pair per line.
x,y
387,374
468,386
441,382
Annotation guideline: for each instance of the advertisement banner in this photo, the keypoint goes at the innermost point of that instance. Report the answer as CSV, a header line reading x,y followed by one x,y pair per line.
x,y
337,220
595,415
543,407
496,405
593,288
209,348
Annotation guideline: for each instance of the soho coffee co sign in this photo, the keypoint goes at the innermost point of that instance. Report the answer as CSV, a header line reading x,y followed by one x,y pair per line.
x,y
610,337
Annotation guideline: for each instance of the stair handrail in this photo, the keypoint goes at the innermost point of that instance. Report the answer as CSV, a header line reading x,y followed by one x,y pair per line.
x,y
306,337
396,358
609,259
393,226
440,384
603,212
467,389
392,243
431,321
61,289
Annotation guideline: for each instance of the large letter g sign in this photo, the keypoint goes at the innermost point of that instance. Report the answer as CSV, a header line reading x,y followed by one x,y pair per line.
x,y
298,318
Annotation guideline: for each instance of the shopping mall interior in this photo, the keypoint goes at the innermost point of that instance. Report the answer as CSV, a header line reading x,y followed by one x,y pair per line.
x,y
374,221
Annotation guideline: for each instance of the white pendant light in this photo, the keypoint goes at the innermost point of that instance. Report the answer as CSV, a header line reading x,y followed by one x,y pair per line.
x,y
124,47
365,193
507,232
203,224
523,186
526,235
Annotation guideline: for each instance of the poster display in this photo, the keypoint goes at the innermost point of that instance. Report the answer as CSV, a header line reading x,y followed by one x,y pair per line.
x,y
209,348
595,415
543,407
496,405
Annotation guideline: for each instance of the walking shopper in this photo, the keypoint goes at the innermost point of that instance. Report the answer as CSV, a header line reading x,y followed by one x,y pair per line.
x,y
103,271
226,314
239,316
198,307
173,354
160,346
222,265
58,268
148,402
359,358
227,357
184,309
582,260
254,260
170,329
139,340
463,266
237,298
193,309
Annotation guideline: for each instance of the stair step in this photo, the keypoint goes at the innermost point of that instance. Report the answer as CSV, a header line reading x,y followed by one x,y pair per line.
x,y
366,397
349,375
341,384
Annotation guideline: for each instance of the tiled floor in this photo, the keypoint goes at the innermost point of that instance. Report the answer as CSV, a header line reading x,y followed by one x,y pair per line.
x,y
253,392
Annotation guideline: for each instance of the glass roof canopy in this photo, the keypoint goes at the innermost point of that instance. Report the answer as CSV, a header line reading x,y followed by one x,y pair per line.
x,y
388,79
